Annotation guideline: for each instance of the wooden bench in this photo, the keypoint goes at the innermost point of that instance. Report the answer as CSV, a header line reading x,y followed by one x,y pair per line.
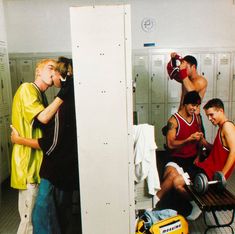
x,y
213,202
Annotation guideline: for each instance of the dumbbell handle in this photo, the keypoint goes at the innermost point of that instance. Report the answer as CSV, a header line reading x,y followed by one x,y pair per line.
x,y
213,182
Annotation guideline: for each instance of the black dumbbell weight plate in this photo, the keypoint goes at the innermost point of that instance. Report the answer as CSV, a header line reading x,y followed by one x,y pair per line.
x,y
219,176
200,183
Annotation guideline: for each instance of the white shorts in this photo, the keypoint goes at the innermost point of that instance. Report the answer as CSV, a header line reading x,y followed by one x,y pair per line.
x,y
180,170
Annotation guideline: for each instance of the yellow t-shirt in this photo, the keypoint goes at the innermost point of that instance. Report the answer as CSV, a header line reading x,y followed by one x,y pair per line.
x,y
26,162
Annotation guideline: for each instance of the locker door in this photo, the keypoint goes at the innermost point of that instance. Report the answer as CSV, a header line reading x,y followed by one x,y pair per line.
x,y
208,71
171,109
4,96
159,122
208,126
142,113
158,79
233,79
108,84
13,72
4,168
173,91
233,112
7,122
141,77
223,76
142,198
25,70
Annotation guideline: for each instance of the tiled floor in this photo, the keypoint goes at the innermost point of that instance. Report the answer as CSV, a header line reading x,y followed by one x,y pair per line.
x,y
9,217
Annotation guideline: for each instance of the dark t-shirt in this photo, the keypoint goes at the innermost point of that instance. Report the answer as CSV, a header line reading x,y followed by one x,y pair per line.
x,y
59,145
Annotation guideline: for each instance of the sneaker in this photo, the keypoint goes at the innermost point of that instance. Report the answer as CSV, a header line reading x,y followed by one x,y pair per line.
x,y
195,213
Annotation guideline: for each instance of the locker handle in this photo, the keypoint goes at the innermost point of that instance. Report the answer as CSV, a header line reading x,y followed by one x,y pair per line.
x,y
2,84
152,77
218,75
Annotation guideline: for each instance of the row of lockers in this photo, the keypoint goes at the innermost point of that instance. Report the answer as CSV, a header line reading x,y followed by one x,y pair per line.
x,y
157,97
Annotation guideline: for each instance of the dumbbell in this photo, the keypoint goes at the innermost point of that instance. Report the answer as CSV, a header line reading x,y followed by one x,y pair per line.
x,y
201,182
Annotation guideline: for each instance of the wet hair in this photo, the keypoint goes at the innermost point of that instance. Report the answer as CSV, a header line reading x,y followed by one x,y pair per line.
x,y
215,102
192,97
65,67
191,60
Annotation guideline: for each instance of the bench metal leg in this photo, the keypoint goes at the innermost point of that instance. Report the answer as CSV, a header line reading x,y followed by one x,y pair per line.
x,y
218,224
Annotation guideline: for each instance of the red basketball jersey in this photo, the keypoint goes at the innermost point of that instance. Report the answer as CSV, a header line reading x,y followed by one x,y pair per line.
x,y
216,159
185,129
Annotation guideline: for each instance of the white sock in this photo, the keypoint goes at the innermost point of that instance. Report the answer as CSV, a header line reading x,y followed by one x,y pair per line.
x,y
195,213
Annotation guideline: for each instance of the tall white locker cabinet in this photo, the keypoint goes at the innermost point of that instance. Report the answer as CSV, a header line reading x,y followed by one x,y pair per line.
x,y
5,101
101,49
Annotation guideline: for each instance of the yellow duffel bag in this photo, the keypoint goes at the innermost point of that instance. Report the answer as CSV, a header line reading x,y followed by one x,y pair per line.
x,y
173,225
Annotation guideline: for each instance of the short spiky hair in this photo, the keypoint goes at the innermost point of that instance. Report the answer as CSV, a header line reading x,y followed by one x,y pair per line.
x,y
215,102
192,97
191,60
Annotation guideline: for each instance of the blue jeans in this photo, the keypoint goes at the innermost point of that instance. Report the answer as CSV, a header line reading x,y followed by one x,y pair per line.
x,y
50,213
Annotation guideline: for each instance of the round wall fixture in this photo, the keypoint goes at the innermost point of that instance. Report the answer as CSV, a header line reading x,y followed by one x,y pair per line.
x,y
148,24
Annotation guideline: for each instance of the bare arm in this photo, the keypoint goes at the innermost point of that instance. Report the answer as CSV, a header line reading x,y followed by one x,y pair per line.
x,y
228,136
46,115
17,139
172,143
199,85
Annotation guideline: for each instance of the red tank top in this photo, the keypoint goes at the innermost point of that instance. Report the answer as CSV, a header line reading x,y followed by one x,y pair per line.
x,y
185,129
216,159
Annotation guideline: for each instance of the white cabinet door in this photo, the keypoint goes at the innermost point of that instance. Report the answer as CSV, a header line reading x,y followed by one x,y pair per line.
x,y
208,126
173,91
7,122
4,77
233,112
25,70
4,159
233,80
142,113
141,77
171,109
223,76
158,78
159,122
101,38
208,71
13,72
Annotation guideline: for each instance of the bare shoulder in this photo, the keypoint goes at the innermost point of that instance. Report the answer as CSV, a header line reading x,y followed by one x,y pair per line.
x,y
200,84
172,123
228,127
202,80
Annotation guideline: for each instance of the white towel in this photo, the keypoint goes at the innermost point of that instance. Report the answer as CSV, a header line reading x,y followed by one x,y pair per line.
x,y
145,157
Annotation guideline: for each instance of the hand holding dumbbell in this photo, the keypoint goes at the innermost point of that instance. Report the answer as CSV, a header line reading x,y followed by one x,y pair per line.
x,y
201,182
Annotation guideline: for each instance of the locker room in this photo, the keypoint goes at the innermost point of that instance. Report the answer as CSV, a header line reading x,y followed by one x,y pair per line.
x,y
115,90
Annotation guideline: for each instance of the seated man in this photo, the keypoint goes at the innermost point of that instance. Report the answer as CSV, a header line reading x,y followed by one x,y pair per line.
x,y
222,154
183,139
